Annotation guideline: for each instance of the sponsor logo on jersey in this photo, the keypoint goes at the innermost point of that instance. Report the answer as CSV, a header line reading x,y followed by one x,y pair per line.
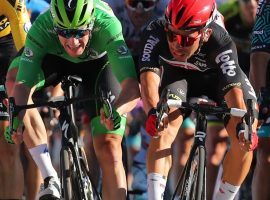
x,y
27,26
113,38
228,65
153,69
27,60
258,32
122,50
181,91
251,91
260,7
186,65
148,47
4,25
150,26
174,96
258,47
20,6
201,65
231,85
28,52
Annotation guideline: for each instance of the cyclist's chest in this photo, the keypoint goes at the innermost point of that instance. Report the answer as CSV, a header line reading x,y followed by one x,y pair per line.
x,y
199,62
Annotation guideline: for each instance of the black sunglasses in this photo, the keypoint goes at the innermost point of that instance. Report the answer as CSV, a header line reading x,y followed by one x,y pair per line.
x,y
71,33
147,5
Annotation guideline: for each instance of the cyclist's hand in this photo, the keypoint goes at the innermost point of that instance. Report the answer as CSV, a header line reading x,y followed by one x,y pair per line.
x,y
150,125
245,144
110,123
15,138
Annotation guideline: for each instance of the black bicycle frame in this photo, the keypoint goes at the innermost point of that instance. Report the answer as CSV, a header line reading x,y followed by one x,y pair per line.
x,y
199,140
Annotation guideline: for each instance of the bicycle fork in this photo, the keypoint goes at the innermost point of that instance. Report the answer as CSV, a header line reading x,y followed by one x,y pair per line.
x,y
69,141
191,187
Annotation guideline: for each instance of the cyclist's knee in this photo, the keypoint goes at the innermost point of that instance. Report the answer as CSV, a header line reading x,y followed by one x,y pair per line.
x,y
109,152
9,155
217,155
216,146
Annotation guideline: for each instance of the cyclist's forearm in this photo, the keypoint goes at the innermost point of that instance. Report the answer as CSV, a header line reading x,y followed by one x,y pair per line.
x,y
35,133
129,96
149,90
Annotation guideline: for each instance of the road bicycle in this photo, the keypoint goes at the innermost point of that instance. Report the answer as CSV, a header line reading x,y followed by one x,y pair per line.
x,y
76,183
192,182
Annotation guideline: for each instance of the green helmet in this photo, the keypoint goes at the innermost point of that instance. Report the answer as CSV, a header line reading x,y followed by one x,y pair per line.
x,y
72,14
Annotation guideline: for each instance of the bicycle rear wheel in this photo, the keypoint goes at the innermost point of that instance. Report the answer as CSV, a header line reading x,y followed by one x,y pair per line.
x,y
191,185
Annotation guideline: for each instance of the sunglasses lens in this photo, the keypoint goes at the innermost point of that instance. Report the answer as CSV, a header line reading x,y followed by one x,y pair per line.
x,y
146,4
69,33
184,41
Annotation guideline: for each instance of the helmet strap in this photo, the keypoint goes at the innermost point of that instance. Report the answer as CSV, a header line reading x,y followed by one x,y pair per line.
x,y
200,43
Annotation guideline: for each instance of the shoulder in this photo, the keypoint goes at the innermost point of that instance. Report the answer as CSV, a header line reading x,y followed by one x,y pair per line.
x,y
155,26
154,32
154,35
8,8
103,9
43,22
42,32
116,5
104,14
219,38
105,20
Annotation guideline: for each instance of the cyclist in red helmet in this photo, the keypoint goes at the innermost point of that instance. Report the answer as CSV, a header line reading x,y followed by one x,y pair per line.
x,y
191,53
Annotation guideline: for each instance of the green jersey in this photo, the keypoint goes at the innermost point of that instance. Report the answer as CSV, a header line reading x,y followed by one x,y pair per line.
x,y
106,38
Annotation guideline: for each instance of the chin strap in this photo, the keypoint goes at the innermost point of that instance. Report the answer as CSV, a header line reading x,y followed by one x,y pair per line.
x,y
200,46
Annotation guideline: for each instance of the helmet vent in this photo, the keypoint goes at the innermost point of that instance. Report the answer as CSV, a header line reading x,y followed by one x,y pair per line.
x,y
70,5
187,22
58,14
70,15
179,15
83,12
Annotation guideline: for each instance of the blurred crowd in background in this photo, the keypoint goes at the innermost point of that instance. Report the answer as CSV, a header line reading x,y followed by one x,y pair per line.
x,y
239,18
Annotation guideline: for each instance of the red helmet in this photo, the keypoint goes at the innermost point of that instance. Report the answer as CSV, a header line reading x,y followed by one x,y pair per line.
x,y
190,14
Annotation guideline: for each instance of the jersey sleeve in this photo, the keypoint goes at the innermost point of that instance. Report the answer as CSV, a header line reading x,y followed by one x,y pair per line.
x,y
30,72
149,58
118,53
229,70
19,20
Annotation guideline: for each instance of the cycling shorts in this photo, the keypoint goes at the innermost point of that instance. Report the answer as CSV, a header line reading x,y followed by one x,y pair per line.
x,y
99,129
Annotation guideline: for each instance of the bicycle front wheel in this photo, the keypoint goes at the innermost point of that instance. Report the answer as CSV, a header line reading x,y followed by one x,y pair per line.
x,y
88,187
191,185
68,176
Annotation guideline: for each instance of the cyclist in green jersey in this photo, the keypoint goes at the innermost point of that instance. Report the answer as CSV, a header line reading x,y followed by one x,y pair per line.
x,y
80,37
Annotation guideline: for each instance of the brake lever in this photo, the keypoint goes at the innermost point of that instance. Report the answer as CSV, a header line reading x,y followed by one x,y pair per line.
x,y
12,112
162,108
249,117
107,106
